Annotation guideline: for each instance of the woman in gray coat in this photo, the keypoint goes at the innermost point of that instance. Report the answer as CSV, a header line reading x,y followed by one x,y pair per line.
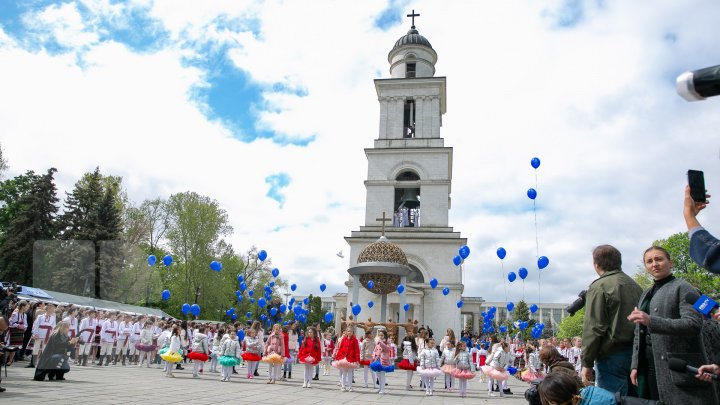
x,y
667,326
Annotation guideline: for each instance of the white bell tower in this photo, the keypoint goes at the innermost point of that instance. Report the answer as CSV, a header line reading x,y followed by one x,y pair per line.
x,y
409,179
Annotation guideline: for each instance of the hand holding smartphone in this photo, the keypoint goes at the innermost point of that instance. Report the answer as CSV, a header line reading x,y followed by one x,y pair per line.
x,y
696,181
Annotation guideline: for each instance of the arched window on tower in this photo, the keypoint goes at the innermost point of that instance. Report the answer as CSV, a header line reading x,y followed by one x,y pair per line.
x,y
409,119
415,276
407,200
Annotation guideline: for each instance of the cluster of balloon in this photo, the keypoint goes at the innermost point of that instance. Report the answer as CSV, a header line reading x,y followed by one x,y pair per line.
x,y
215,266
433,283
537,330
195,309
275,272
166,295
322,287
463,254
356,309
328,317
371,304
262,255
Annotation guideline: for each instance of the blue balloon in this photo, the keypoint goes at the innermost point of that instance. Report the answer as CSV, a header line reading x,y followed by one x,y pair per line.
x,y
446,291
275,272
512,370
214,266
522,272
491,329
240,278
233,317
273,311
370,285
501,253
322,287
328,317
251,293
262,255
370,304
239,298
433,282
535,162
406,307
533,308
297,310
167,260
261,302
531,193
512,276
503,328
283,308
356,309
457,260
228,312
306,300
271,284
165,295
263,317
241,335
248,315
493,309
510,306
459,304
292,301
195,309
151,260
243,286
293,287
185,308
523,325
464,252
252,300
400,288
543,262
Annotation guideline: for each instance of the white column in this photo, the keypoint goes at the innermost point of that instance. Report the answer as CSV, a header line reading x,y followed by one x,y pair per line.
x,y
420,127
383,308
382,134
427,116
397,129
435,117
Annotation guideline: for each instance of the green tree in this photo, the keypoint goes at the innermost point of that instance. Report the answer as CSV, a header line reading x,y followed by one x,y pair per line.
x,y
572,326
3,163
34,221
13,193
684,267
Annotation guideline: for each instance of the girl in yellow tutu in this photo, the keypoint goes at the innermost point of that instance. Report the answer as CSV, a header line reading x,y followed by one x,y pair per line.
x,y
274,352
172,355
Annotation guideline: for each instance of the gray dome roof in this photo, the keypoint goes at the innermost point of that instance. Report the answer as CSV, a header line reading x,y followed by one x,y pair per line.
x,y
412,38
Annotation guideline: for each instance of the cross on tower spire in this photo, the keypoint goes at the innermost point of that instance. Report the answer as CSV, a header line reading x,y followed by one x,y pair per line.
x,y
413,15
383,219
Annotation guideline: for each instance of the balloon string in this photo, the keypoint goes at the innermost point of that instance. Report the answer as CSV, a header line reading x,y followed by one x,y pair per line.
x,y
502,274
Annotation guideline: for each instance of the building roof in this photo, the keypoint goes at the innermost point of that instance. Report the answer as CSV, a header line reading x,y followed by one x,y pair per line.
x,y
382,251
412,37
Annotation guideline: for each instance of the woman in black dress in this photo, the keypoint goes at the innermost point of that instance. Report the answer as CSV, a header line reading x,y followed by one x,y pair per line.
x,y
53,361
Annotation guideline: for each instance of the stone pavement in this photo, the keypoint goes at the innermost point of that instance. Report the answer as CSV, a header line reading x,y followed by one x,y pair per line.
x,y
132,384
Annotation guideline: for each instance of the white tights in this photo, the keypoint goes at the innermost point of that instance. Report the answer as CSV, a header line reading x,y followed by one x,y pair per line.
x,y
251,368
346,377
449,381
226,372
309,371
463,385
381,377
274,371
408,378
372,375
429,383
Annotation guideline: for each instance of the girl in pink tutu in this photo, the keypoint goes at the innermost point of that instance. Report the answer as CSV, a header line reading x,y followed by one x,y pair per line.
x,y
310,354
347,358
534,367
447,361
429,366
496,369
464,367
274,352
408,362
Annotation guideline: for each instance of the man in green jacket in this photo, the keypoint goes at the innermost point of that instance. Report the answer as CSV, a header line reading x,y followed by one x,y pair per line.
x,y
607,334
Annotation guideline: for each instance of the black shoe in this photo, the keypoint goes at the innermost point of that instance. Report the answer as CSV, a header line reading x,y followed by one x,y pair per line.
x,y
316,378
495,388
2,389
234,372
30,366
507,391
256,374
179,367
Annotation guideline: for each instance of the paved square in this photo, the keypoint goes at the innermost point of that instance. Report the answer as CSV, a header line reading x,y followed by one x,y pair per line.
x,y
132,384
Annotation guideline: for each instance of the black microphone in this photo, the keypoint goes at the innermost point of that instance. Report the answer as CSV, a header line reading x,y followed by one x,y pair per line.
x,y
699,84
681,366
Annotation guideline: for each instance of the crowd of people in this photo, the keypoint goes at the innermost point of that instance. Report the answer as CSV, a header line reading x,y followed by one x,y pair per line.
x,y
630,338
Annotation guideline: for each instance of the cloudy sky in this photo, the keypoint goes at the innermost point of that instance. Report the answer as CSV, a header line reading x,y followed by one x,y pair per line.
x,y
267,106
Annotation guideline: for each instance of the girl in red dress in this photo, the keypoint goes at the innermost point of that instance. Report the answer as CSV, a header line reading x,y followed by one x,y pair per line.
x,y
347,358
309,354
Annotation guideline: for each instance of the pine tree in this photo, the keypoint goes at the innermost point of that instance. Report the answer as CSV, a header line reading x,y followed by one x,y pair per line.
x,y
34,222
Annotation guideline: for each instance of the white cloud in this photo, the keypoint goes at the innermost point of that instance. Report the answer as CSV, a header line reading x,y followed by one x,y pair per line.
x,y
595,102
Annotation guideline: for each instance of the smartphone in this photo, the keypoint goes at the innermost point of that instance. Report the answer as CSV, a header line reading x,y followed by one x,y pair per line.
x,y
696,181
